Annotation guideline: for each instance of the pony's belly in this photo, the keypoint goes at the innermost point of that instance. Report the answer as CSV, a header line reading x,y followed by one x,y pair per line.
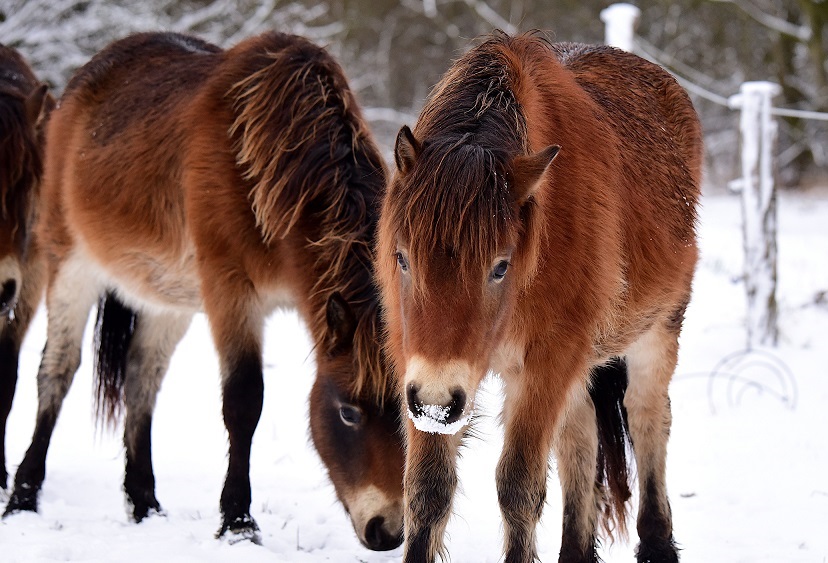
x,y
165,282
167,285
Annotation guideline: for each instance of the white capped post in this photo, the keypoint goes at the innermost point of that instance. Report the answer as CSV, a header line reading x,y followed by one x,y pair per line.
x,y
620,21
758,131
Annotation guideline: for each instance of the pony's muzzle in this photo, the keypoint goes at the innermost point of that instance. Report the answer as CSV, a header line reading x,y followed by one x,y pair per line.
x,y
445,412
379,538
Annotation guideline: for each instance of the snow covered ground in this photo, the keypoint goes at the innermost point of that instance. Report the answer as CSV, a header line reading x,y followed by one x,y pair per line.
x,y
747,461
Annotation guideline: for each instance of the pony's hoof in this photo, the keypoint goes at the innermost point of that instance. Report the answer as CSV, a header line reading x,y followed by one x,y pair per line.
x,y
22,499
659,551
138,514
240,529
140,511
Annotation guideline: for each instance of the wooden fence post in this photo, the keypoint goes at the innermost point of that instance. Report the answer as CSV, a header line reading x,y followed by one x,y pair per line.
x,y
758,131
620,21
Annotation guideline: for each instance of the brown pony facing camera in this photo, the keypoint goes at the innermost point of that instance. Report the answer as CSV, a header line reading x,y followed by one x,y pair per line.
x,y
541,225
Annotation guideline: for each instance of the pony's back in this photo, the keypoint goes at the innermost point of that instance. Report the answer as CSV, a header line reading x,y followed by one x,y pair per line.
x,y
124,106
649,111
630,151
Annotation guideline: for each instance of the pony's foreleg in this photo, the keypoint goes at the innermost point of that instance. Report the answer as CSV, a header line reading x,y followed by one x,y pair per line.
x,y
9,349
576,449
429,484
155,338
12,332
651,361
535,397
237,323
70,297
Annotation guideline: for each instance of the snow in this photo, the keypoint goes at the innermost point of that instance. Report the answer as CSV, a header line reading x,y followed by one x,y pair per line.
x,y
746,470
432,419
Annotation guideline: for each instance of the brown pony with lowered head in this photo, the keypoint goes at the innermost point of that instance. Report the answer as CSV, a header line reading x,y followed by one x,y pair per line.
x,y
182,178
24,106
541,225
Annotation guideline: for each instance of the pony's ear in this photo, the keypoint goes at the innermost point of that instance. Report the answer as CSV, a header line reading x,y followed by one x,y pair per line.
x,y
341,323
527,172
406,150
38,104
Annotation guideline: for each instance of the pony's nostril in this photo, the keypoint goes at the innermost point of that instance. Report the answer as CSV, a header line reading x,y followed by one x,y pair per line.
x,y
377,538
7,294
414,403
457,406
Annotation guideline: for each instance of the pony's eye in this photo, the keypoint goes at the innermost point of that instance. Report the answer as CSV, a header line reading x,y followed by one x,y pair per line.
x,y
499,271
350,415
401,260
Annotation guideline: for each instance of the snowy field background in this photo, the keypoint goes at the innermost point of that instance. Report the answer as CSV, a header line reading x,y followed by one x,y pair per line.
x,y
747,482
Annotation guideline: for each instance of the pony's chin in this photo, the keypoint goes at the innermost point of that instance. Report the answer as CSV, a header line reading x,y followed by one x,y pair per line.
x,y
431,425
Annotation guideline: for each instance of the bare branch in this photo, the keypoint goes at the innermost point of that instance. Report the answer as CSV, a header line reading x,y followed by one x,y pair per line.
x,y
799,32
490,16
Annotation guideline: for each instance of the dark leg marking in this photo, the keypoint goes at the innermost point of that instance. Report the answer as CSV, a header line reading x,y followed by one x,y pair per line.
x,y
9,353
242,406
32,470
521,492
655,529
139,481
431,482
572,549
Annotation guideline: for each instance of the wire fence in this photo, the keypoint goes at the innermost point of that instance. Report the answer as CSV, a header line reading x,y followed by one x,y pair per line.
x,y
681,72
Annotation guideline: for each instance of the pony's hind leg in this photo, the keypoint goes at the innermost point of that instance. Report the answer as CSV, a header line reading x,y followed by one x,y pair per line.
x,y
70,296
651,361
576,449
153,343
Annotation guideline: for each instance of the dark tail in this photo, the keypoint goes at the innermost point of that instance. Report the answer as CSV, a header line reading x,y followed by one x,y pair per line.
x,y
609,383
113,333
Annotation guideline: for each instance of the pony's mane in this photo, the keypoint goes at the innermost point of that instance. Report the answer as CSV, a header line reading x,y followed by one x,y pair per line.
x,y
300,140
20,153
458,196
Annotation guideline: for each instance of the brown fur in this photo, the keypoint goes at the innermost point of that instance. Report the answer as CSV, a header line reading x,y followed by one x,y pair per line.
x,y
235,181
24,106
600,247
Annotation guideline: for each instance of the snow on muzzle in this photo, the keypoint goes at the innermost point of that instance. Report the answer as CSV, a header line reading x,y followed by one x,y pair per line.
x,y
436,395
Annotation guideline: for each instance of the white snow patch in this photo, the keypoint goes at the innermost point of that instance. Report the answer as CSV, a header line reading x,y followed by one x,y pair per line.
x,y
433,420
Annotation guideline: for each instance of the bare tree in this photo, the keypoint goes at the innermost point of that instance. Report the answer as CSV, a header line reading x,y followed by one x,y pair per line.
x,y
58,36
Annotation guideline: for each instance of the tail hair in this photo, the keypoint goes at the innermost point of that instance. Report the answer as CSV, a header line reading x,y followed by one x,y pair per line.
x,y
114,329
609,384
